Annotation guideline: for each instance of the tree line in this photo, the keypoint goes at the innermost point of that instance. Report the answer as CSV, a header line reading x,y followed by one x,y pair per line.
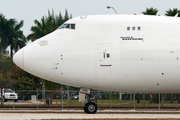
x,y
154,11
12,35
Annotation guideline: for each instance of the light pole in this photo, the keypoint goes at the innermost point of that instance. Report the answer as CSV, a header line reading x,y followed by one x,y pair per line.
x,y
43,94
108,7
42,89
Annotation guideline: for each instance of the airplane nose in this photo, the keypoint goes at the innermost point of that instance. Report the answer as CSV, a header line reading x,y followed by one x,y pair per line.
x,y
18,58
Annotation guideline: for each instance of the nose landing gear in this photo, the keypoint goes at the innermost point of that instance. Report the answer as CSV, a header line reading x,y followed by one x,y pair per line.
x,y
90,107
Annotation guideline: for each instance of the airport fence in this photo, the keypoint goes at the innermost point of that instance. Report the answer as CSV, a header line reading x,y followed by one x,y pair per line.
x,y
57,99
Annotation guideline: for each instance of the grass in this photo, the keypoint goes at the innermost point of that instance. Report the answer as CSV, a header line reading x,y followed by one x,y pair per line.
x,y
100,103
120,103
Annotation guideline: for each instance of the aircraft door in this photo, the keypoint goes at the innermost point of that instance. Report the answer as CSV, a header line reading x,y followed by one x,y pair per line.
x,y
105,55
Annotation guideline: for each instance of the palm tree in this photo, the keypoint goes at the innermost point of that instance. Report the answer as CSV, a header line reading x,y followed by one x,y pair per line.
x,y
5,31
66,16
57,19
2,31
11,35
150,11
16,38
41,29
47,24
173,12
20,43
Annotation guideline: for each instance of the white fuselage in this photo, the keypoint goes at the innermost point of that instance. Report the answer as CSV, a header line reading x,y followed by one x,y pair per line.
x,y
123,53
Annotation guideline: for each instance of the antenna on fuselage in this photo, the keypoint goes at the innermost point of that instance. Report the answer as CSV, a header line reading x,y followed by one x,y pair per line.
x,y
108,7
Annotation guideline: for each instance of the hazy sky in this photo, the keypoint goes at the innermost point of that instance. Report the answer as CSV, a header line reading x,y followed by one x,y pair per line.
x,y
29,10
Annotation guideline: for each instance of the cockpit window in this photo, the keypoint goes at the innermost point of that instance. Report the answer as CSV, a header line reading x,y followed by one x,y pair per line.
x,y
67,26
72,26
62,26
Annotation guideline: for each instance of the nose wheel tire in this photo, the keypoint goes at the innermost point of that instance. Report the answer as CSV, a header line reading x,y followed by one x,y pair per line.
x,y
90,108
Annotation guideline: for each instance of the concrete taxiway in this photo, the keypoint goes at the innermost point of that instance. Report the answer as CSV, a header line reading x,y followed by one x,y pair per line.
x,y
79,114
39,116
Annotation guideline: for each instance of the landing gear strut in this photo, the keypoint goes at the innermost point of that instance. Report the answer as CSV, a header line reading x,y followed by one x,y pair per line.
x,y
90,107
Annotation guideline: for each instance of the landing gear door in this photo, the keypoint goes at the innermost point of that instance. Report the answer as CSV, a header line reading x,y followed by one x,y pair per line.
x,y
105,55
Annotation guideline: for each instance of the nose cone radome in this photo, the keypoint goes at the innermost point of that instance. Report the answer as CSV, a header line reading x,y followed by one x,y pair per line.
x,y
18,58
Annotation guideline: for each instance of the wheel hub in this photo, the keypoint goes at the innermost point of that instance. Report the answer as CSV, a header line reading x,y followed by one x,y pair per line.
x,y
91,108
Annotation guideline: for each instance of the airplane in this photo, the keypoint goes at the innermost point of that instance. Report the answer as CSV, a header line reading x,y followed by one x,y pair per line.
x,y
122,53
